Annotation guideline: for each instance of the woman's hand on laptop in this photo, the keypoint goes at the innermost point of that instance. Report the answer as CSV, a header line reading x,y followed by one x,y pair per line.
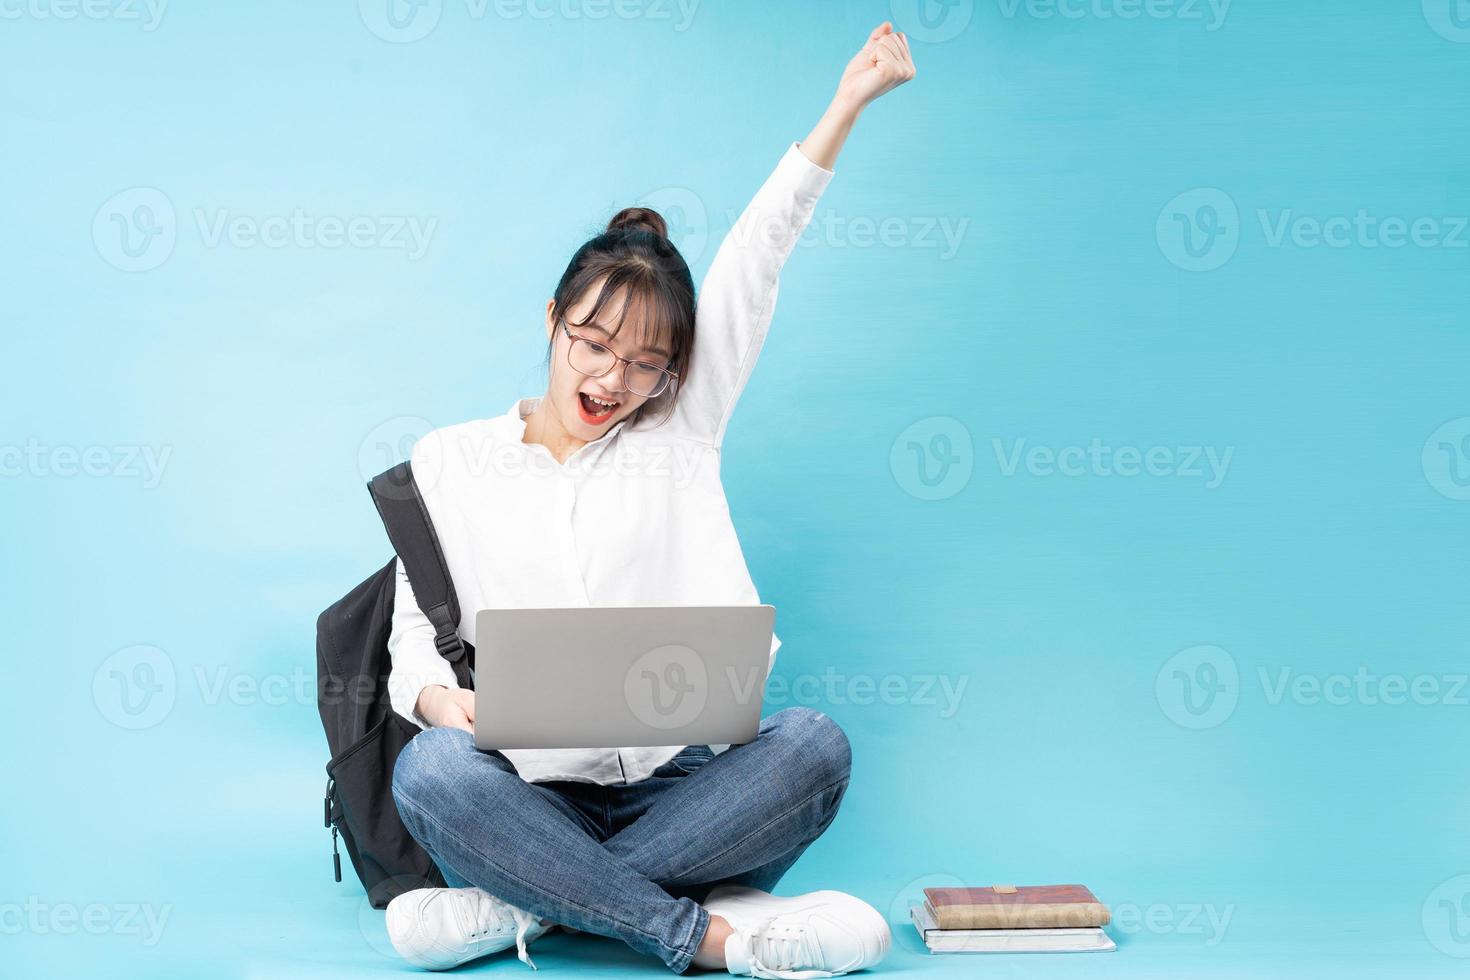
x,y
443,708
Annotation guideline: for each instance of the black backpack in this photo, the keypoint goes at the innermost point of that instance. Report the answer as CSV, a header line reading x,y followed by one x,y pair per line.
x,y
364,733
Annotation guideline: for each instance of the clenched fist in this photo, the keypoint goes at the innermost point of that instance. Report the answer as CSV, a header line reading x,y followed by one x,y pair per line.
x,y
883,64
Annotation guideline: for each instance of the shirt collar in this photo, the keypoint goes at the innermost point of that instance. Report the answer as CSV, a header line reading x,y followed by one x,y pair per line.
x,y
525,406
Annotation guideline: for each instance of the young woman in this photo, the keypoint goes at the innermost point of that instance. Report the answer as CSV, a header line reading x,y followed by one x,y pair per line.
x,y
606,491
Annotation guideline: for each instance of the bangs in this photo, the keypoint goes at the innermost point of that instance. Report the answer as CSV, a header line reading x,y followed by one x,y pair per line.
x,y
656,318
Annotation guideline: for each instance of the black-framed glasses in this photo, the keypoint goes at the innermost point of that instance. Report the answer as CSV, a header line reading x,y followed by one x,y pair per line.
x,y
597,360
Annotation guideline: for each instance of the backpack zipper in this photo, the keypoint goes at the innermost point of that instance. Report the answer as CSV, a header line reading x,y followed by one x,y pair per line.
x,y
327,822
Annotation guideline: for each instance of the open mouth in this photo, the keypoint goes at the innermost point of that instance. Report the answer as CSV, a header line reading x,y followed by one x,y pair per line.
x,y
594,411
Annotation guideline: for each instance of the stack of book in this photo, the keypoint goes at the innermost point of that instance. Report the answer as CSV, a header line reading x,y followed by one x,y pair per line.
x,y
1007,919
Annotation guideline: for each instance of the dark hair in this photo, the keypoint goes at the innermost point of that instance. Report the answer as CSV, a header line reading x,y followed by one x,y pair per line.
x,y
635,257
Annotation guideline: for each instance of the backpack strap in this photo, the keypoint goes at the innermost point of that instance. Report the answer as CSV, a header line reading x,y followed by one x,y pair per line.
x,y
406,519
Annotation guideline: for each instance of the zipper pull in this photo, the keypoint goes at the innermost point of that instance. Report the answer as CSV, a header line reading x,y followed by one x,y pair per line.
x,y
336,857
327,803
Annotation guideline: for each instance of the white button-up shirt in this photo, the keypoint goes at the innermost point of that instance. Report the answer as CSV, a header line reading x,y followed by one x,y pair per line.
x,y
637,517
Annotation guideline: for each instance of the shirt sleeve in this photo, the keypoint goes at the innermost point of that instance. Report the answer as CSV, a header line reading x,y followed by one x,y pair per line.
x,y
738,296
416,661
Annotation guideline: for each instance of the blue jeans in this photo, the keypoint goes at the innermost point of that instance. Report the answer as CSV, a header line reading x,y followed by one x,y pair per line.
x,y
631,861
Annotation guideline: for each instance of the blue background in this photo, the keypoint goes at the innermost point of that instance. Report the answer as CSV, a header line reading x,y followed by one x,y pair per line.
x,y
1234,832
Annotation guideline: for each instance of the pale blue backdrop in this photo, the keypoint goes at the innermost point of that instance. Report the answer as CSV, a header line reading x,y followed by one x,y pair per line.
x,y
1109,461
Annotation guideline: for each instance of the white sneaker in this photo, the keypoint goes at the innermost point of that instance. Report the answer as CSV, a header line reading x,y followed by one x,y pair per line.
x,y
440,928
820,934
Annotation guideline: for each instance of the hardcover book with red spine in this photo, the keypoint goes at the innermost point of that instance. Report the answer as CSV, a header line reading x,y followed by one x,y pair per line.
x,y
1012,907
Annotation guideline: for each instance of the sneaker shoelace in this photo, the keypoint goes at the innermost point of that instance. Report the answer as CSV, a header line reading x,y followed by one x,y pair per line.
x,y
777,949
491,916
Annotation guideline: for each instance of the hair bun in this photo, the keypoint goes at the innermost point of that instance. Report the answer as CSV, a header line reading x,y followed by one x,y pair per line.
x,y
639,219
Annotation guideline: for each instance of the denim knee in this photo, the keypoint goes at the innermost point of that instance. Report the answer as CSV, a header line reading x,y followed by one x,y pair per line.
x,y
821,742
430,761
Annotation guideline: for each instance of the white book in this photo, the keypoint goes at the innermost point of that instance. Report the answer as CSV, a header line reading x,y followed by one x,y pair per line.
x,y
1007,940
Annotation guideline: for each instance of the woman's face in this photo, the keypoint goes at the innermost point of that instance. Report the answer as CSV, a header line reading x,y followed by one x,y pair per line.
x,y
589,407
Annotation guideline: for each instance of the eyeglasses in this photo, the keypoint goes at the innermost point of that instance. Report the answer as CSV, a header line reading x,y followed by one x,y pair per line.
x,y
596,360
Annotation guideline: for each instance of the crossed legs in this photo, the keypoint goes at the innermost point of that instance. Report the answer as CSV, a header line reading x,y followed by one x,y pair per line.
x,y
745,816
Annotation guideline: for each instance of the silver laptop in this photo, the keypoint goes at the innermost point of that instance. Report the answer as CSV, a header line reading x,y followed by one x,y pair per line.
x,y
614,676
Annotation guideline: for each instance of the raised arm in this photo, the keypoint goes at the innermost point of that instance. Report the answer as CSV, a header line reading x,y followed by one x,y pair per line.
x,y
879,67
738,296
